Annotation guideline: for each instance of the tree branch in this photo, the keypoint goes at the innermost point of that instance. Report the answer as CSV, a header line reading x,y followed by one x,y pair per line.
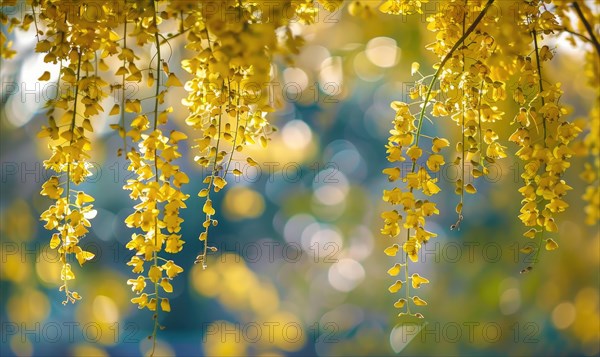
x,y
587,25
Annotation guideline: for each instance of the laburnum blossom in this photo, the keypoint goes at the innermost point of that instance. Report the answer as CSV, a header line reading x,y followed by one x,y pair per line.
x,y
72,45
462,52
228,105
542,133
411,214
469,91
482,59
157,179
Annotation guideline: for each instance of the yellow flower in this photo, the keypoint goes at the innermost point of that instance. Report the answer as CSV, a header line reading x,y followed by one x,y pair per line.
x,y
154,274
173,81
392,250
394,288
141,300
495,151
434,162
172,269
51,189
411,247
430,188
208,208
166,285
66,273
174,244
83,256
393,173
392,196
417,280
400,303
151,304
414,152
137,285
54,241
219,183
83,198
137,263
164,305
438,144
557,205
551,244
429,208
530,233
418,301
395,270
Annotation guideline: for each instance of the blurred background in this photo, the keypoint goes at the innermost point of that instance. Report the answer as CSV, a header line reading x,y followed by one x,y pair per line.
x,y
300,268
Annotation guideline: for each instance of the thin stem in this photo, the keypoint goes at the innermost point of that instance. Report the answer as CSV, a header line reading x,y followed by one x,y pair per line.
x,y
540,81
462,124
577,34
541,89
479,125
537,252
68,188
207,37
441,66
406,276
210,185
37,31
587,26
237,124
123,90
166,39
156,230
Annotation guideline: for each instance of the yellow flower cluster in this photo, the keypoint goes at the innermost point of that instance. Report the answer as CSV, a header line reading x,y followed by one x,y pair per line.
x,y
71,40
158,181
465,104
10,23
473,45
469,90
232,45
543,135
403,144
158,188
227,97
399,7
591,173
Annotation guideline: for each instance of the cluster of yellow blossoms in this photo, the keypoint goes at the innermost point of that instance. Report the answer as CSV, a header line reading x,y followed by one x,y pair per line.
x,y
228,96
464,86
158,180
591,142
543,135
230,47
403,143
71,40
469,90
475,45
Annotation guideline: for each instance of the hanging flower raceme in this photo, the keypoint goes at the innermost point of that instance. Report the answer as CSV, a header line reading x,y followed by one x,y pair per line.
x,y
543,135
590,174
70,39
480,54
403,144
413,210
158,188
227,97
468,92
591,142
157,185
